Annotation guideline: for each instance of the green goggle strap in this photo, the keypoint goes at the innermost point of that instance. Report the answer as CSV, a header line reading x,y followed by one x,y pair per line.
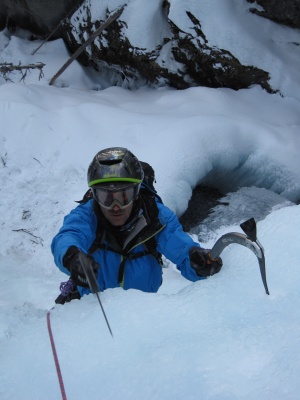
x,y
106,180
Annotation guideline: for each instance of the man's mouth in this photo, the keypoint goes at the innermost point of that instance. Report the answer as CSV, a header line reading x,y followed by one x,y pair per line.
x,y
116,214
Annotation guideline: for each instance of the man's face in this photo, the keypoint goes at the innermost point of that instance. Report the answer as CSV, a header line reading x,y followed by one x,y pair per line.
x,y
116,205
117,216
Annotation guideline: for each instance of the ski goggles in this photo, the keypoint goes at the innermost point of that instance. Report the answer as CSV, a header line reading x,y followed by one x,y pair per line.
x,y
108,198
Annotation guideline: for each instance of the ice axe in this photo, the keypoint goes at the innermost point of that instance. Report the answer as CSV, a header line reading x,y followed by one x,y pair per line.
x,y
248,240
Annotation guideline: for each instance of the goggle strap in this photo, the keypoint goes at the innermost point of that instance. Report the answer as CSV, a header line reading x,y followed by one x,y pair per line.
x,y
107,180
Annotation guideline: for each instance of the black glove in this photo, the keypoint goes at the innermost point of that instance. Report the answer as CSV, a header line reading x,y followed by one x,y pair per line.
x,y
202,262
72,263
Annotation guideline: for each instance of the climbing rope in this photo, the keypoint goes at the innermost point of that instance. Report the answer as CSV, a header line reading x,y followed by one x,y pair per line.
x,y
58,371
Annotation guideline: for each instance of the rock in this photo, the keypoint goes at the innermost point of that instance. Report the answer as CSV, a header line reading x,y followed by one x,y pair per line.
x,y
286,12
201,204
38,16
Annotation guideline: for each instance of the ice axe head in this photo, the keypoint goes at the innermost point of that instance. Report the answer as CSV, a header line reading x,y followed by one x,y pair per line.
x,y
249,227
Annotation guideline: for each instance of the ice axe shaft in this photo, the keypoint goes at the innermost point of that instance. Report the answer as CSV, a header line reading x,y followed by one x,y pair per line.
x,y
93,284
98,297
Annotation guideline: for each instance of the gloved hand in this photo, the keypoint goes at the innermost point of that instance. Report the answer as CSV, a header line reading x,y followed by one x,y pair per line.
x,y
72,263
202,263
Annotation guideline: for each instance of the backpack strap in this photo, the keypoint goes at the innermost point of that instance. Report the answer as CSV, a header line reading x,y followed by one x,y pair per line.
x,y
132,256
150,250
98,243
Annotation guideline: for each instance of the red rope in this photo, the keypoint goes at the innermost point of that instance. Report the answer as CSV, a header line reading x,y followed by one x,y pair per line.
x,y
59,375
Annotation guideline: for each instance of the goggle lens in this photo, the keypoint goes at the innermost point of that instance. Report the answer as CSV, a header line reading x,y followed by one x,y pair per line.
x,y
123,198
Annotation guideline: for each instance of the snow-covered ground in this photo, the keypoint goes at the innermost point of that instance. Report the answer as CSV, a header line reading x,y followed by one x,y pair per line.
x,y
218,339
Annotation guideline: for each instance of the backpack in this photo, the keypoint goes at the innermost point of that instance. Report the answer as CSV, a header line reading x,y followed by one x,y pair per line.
x,y
149,179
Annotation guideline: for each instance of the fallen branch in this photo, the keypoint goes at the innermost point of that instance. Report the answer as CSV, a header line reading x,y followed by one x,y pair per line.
x,y
7,68
85,44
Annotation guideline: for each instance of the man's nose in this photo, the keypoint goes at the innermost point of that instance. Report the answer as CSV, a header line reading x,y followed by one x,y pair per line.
x,y
116,207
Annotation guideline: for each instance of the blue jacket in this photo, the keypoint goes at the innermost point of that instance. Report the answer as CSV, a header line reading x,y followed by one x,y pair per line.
x,y
144,273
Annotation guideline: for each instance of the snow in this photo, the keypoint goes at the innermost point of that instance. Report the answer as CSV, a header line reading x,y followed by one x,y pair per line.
x,y
218,339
